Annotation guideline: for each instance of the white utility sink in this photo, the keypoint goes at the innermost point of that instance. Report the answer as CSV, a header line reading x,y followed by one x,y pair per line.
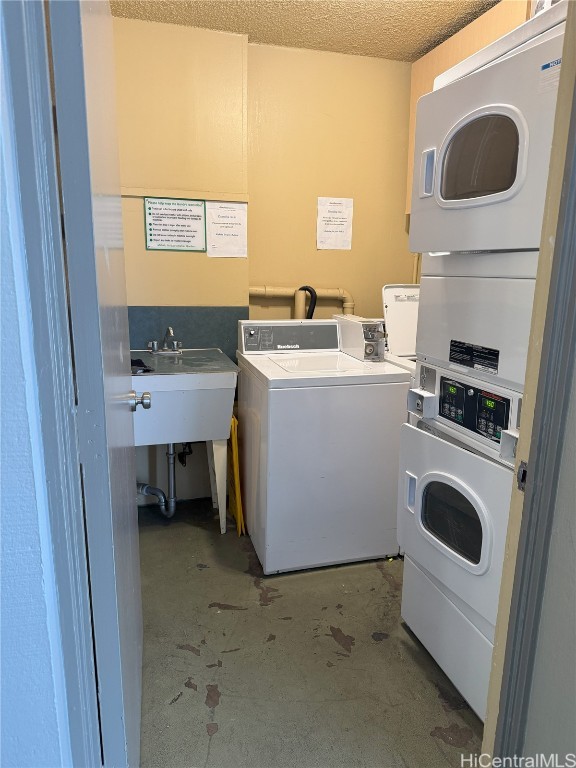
x,y
192,396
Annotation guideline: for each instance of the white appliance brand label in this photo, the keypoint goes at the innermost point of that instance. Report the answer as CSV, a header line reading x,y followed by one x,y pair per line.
x,y
549,75
287,346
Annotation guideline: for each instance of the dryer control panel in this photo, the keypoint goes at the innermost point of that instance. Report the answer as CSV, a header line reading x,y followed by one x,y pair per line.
x,y
473,408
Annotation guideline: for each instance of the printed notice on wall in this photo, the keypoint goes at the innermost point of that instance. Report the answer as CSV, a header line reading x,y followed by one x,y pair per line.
x,y
227,229
174,225
334,223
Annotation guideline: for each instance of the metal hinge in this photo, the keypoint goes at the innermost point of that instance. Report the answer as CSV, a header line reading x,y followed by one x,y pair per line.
x,y
521,475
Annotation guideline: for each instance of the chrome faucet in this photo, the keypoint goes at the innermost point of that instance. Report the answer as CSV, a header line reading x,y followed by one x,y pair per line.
x,y
168,336
169,344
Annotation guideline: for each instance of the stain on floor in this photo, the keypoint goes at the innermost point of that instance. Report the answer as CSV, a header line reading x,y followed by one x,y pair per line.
x,y
343,640
450,698
266,592
212,696
227,607
301,685
191,648
389,576
455,735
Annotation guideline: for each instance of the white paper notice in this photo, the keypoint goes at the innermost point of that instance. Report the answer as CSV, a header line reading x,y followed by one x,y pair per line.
x,y
227,229
334,223
174,225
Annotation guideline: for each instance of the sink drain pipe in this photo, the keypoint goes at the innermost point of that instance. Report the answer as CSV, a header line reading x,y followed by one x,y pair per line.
x,y
171,456
167,505
150,490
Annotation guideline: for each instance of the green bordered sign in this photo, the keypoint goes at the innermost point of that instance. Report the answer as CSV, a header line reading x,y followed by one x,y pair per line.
x,y
174,224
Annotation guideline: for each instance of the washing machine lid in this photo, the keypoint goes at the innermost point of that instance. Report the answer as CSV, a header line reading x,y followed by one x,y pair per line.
x,y
319,369
320,363
401,315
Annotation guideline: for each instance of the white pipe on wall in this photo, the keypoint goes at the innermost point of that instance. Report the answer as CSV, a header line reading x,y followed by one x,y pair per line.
x,y
340,295
300,305
270,292
274,292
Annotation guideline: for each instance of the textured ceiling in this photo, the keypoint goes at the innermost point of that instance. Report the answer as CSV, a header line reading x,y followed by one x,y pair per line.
x,y
402,30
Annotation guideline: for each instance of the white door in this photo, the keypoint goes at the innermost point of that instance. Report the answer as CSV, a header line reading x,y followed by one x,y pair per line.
x,y
83,59
482,152
453,516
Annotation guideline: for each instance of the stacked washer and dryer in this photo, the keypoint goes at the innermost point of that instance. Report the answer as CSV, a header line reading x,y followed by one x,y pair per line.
x,y
483,141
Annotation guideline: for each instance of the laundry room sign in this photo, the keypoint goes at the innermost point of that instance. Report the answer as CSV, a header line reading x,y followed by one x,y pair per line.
x,y
174,225
334,223
226,229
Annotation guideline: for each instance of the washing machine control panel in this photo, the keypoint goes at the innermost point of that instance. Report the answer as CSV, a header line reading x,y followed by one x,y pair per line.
x,y
473,408
288,337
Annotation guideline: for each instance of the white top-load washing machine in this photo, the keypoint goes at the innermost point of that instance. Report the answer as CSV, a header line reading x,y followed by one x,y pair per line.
x,y
319,433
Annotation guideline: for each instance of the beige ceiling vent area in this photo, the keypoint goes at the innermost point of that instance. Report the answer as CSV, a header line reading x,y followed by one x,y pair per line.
x,y
402,30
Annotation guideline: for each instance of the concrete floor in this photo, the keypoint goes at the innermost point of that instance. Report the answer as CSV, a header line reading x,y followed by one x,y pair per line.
x,y
304,670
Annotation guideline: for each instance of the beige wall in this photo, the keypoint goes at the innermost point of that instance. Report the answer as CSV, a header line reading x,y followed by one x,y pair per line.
x,y
326,124
182,132
206,116
170,278
182,110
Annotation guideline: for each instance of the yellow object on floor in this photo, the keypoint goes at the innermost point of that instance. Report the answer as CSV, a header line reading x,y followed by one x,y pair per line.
x,y
234,495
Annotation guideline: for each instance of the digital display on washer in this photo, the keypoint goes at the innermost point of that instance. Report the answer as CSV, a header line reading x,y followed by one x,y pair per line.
x,y
475,409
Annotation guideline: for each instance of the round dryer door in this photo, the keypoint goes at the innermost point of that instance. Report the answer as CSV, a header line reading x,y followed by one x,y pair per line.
x,y
451,518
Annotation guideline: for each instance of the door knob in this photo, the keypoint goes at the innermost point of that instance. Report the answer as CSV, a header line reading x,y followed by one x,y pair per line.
x,y
145,400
